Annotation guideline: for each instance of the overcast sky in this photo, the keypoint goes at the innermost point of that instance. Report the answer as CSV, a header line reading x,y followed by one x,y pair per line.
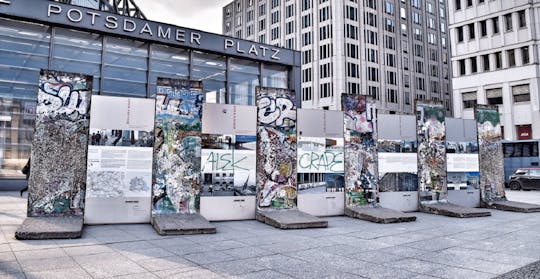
x,y
197,14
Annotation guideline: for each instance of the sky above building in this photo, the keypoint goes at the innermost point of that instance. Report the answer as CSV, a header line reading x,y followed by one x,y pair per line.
x,y
205,15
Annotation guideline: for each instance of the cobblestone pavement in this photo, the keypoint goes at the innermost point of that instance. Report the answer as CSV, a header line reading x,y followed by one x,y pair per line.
x,y
432,247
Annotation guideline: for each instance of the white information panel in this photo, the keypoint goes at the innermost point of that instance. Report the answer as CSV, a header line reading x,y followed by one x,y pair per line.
x,y
320,162
119,169
228,161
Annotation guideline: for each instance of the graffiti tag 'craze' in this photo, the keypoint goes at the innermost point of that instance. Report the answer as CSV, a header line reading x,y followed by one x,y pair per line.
x,y
490,153
58,178
431,135
177,147
276,149
361,170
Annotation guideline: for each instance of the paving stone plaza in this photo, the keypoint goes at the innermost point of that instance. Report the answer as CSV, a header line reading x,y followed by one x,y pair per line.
x,y
432,247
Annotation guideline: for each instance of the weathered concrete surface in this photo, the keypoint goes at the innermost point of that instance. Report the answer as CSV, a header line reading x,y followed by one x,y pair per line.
x,y
514,206
378,215
50,228
529,271
452,210
290,219
177,224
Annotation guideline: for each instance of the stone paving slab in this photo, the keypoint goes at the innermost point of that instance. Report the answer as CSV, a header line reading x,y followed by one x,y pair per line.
x,y
379,215
179,224
453,210
50,228
290,219
515,206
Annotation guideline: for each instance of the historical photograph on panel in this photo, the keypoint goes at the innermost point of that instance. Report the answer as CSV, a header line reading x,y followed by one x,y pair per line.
x,y
112,137
431,134
177,147
320,165
276,148
361,178
491,155
58,161
228,165
397,165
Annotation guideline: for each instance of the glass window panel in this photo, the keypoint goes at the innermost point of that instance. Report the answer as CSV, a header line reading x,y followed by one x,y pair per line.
x,y
275,76
243,79
78,52
24,50
125,67
167,62
211,70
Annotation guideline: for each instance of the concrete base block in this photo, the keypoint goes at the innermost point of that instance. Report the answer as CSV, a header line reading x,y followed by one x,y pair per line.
x,y
50,228
379,215
178,224
290,219
514,206
452,210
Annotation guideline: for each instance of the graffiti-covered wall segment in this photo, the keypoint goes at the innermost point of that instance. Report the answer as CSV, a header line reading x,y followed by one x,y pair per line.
x,y
490,153
58,178
276,148
431,135
177,147
360,151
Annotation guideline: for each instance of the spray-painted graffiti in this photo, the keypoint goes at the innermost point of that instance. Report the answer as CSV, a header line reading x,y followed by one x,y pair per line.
x,y
326,162
58,179
177,148
431,137
279,112
276,149
361,171
490,153
320,165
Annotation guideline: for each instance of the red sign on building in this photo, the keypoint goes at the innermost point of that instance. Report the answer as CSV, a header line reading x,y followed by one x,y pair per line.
x,y
524,132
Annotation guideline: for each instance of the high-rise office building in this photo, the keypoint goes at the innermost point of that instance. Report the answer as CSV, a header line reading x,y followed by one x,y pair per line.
x,y
495,58
394,50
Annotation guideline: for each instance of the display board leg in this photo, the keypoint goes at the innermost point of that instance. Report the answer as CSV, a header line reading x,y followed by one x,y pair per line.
x,y
453,210
378,214
63,227
290,219
507,205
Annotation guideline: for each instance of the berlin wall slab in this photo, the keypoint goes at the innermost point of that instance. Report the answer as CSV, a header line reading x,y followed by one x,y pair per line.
x,y
179,224
514,206
290,219
453,210
379,215
63,227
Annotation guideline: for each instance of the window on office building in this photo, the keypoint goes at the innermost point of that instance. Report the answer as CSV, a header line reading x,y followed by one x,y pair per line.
x,y
494,96
521,93
511,58
474,66
391,96
525,55
485,62
522,20
469,99
461,67
471,31
457,4
508,22
483,28
495,24
459,31
498,60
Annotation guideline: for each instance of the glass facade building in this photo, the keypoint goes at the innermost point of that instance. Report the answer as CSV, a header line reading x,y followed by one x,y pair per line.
x,y
120,66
